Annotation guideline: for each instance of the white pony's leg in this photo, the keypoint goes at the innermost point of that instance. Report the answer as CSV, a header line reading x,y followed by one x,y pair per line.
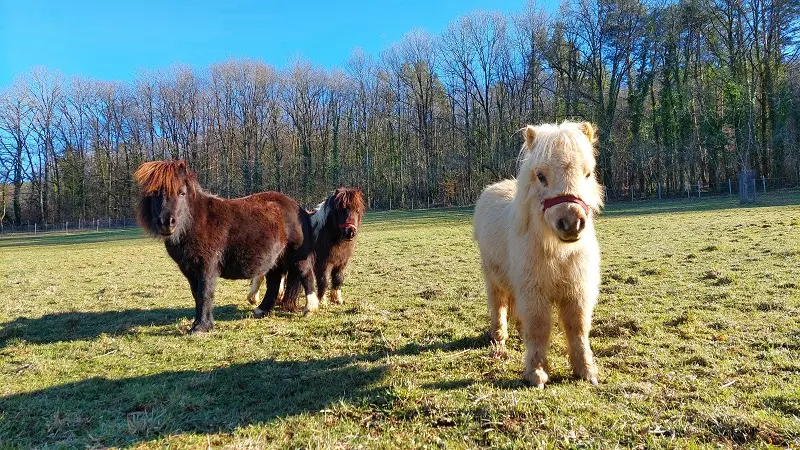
x,y
497,299
576,318
536,322
255,285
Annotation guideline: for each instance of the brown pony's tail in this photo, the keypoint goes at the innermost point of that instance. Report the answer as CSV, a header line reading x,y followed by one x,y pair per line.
x,y
288,301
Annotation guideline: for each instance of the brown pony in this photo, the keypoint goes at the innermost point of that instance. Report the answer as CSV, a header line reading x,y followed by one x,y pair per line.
x,y
210,237
335,224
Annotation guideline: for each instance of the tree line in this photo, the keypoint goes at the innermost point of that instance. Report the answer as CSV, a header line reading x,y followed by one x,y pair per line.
x,y
687,91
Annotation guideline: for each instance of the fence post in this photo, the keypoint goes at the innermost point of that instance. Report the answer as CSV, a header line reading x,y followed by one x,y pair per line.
x,y
698,189
97,225
764,183
730,188
632,188
659,191
34,228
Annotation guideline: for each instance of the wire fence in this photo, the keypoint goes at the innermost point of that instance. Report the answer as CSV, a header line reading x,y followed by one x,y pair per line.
x,y
732,187
79,225
755,187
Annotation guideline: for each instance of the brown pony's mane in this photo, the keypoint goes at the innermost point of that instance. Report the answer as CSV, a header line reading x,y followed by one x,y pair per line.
x,y
155,177
347,198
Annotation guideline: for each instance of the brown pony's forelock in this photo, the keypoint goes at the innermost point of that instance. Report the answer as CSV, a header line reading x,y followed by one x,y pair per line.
x,y
156,177
351,199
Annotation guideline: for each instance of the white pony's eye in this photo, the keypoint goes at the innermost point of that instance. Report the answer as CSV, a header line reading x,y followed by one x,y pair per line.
x,y
588,174
541,177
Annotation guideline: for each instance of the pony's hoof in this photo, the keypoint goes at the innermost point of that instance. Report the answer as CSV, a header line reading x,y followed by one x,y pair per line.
x,y
588,373
498,350
323,302
336,297
200,328
251,300
258,313
537,377
307,312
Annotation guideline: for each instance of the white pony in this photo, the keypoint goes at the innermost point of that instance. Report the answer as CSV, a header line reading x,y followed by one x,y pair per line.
x,y
538,246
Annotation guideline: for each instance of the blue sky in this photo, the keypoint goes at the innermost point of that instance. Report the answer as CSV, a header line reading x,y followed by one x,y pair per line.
x,y
112,40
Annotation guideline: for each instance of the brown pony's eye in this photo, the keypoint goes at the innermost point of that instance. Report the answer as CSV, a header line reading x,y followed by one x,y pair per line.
x,y
541,177
588,174
183,194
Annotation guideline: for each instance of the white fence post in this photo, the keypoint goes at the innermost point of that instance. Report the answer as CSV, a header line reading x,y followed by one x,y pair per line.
x,y
730,188
764,183
698,189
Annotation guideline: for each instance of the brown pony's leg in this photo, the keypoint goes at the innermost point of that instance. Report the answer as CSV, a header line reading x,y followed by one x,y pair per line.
x,y
255,285
274,278
337,279
203,292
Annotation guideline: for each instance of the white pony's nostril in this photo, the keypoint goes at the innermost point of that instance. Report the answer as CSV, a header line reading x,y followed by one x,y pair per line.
x,y
581,224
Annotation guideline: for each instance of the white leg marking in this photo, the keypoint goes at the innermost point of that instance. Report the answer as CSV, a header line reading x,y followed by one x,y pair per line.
x,y
312,304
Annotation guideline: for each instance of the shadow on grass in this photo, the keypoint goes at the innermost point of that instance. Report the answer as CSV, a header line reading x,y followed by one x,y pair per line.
x,y
108,412
55,238
77,326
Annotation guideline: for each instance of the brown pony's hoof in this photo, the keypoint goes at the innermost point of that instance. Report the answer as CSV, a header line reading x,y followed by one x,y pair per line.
x,y
201,328
259,314
251,300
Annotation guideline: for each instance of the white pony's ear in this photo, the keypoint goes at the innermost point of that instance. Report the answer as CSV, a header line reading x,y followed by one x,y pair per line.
x,y
522,207
589,130
529,133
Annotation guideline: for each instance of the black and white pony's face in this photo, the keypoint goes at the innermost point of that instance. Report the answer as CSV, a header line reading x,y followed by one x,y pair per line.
x,y
340,214
347,221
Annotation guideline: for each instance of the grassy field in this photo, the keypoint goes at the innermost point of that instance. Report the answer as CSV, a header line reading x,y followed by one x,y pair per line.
x,y
697,336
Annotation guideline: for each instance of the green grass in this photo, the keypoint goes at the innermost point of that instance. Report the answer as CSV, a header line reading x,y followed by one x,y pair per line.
x,y
697,336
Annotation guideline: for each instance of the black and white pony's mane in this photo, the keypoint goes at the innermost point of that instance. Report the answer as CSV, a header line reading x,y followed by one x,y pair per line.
x,y
320,216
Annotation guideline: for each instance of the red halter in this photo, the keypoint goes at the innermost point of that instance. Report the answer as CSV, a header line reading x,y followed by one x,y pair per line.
x,y
547,203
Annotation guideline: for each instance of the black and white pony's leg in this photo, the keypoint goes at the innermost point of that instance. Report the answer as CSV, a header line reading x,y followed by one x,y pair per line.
x,y
255,286
305,273
273,278
337,279
321,274
203,287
